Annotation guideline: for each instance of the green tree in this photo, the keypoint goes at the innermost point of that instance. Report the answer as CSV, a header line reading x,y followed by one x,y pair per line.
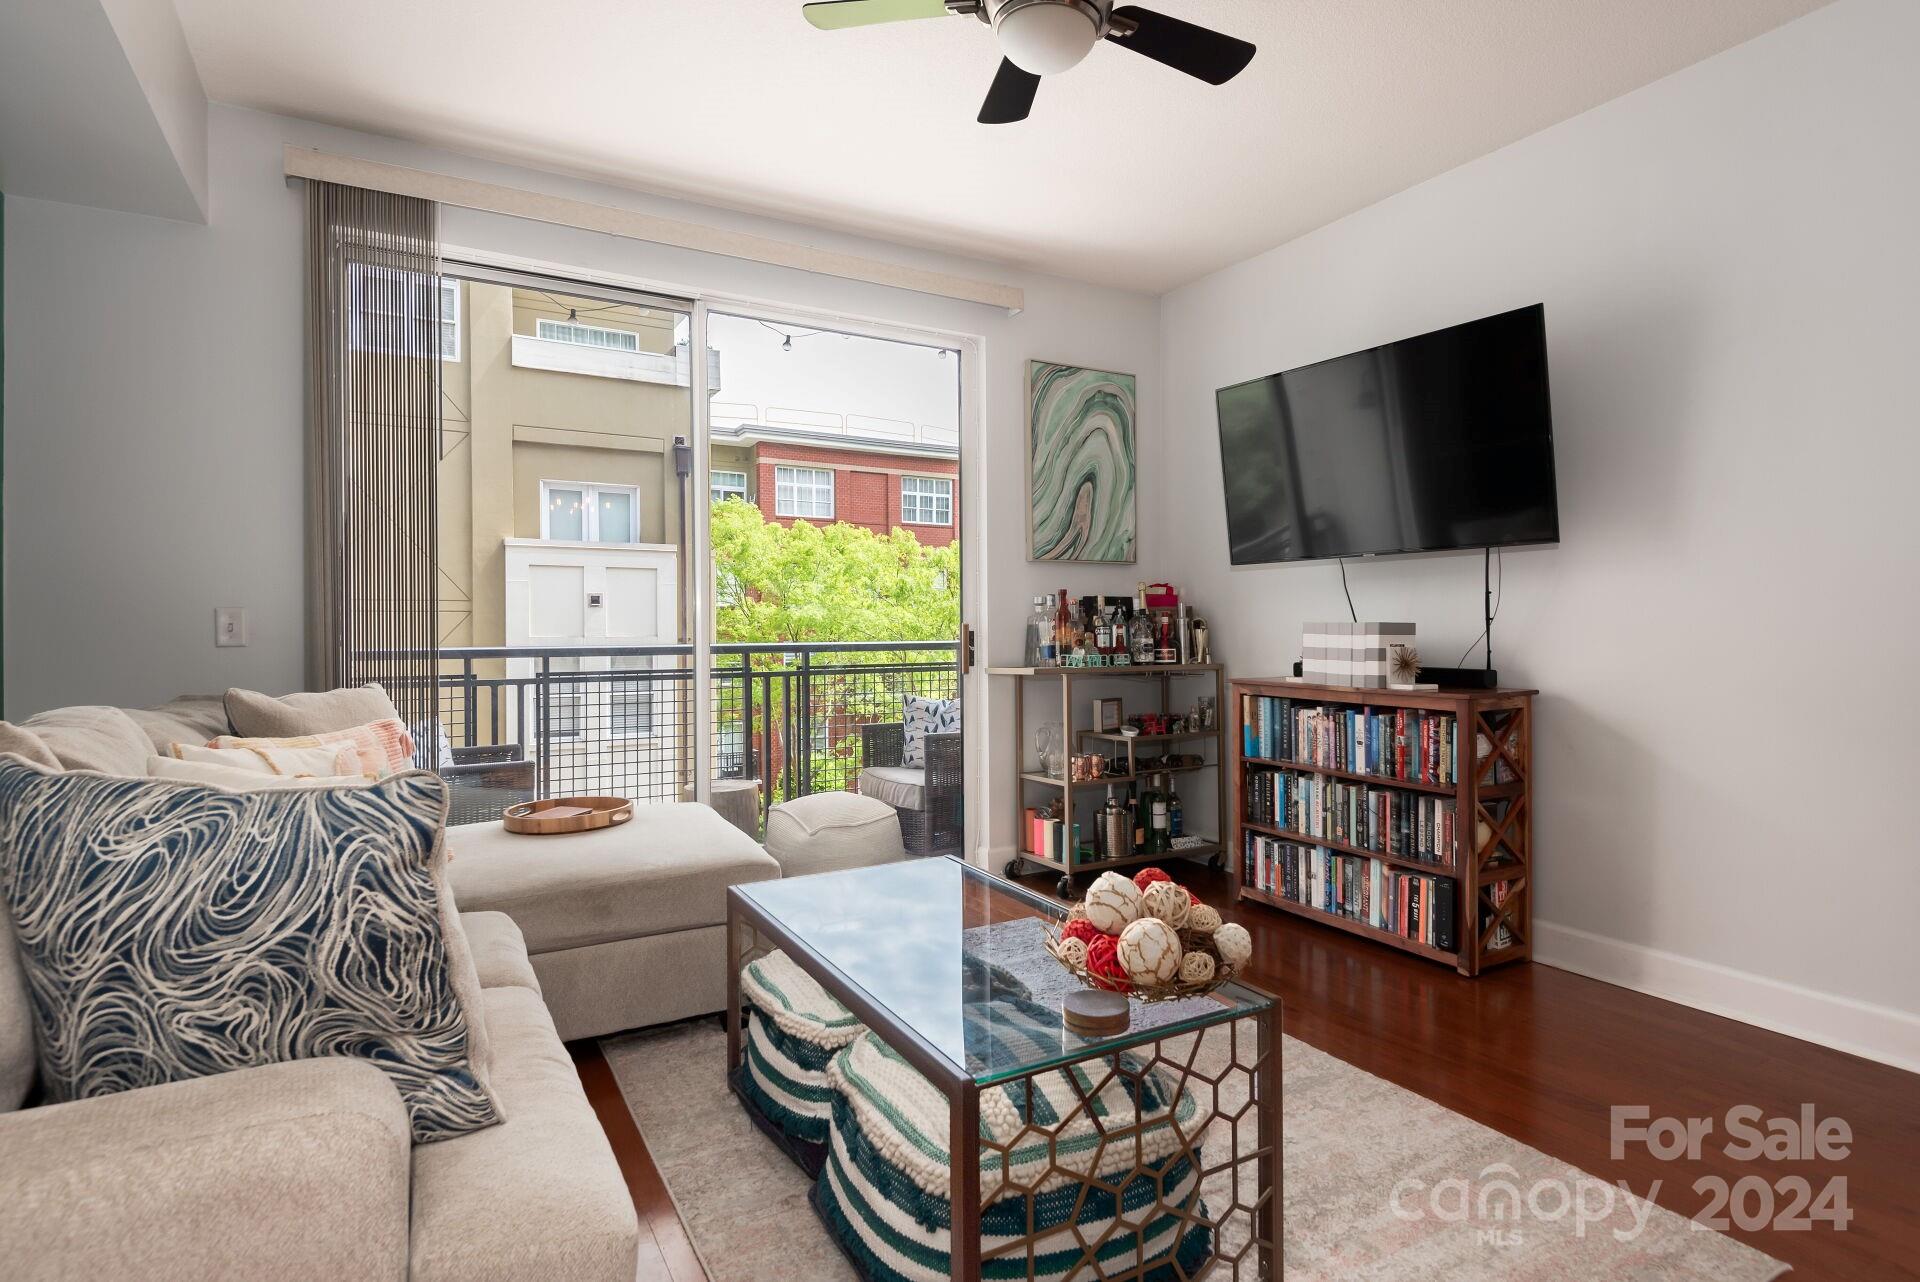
x,y
806,582
837,582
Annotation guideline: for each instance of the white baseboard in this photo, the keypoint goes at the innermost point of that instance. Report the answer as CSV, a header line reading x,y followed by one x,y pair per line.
x,y
1858,1028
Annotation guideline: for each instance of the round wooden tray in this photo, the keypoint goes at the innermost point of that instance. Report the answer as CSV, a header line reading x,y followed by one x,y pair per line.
x,y
566,814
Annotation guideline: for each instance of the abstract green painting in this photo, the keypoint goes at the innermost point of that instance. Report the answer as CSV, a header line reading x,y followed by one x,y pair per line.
x,y
1080,464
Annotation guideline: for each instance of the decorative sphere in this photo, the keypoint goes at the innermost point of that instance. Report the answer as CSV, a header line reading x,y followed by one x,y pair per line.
x,y
1196,968
1166,901
1147,876
1204,918
1073,952
1103,963
1112,903
1150,951
1082,929
1077,913
1233,943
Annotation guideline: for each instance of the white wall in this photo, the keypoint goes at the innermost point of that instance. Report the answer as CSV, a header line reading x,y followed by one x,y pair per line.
x,y
1723,639
154,413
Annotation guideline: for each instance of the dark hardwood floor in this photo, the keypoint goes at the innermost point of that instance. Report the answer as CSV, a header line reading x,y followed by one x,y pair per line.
x,y
1535,1053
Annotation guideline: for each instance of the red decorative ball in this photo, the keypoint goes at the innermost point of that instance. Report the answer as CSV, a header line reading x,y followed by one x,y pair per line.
x,y
1081,928
1147,876
1103,963
1193,897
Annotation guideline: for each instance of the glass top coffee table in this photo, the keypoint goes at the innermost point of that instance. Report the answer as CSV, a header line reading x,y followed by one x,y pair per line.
x,y
944,963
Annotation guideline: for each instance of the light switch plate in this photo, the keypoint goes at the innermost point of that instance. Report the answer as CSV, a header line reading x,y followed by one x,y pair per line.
x,y
230,625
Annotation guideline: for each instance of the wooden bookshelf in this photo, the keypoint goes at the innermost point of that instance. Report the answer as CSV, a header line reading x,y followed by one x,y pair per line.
x,y
1491,862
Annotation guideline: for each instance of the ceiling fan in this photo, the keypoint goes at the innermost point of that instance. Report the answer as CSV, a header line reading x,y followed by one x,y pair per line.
x,y
1045,37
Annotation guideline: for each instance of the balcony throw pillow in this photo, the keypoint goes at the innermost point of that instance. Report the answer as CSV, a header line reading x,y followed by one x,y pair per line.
x,y
925,717
383,747
171,931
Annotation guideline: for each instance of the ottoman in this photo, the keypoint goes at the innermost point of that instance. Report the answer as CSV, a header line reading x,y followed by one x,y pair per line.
x,y
885,1196
829,831
793,1028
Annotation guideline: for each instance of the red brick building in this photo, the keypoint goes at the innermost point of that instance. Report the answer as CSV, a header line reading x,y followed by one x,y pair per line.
x,y
795,474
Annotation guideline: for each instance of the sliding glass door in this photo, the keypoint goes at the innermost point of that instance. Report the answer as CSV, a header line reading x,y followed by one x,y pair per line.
x,y
834,480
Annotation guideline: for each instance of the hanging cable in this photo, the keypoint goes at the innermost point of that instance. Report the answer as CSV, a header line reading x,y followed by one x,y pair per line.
x,y
1354,614
1499,591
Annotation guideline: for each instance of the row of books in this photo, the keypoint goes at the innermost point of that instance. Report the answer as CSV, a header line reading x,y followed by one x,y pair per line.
x,y
1416,906
1394,743
1405,824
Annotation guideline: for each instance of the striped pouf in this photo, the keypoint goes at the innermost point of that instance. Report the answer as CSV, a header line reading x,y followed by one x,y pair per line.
x,y
884,1192
793,1028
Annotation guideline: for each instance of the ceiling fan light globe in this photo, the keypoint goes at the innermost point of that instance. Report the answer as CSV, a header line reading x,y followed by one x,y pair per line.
x,y
1045,37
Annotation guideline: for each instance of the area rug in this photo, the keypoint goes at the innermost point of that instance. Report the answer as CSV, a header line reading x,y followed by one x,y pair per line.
x,y
1381,1184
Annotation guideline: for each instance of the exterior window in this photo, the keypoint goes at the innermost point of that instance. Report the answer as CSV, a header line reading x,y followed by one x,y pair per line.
x,y
803,491
612,340
389,307
926,500
728,485
577,513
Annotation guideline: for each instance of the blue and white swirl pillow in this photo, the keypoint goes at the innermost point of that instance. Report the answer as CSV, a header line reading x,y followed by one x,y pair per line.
x,y
172,931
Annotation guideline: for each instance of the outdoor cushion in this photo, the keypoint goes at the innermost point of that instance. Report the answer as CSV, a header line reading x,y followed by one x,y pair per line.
x,y
898,786
884,1191
921,718
540,1195
828,831
666,869
794,1027
172,931
262,716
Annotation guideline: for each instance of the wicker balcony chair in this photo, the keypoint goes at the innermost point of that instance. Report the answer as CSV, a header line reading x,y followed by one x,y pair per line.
x,y
927,801
484,780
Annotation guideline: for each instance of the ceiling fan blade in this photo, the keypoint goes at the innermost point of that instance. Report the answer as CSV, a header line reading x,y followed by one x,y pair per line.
x,y
1198,51
832,15
1011,97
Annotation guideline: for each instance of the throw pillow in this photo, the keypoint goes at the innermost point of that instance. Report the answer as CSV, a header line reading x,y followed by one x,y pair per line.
x,y
261,716
291,762
170,931
382,747
215,775
924,717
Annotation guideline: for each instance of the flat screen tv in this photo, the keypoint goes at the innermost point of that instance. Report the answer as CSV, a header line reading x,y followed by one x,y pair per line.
x,y
1436,442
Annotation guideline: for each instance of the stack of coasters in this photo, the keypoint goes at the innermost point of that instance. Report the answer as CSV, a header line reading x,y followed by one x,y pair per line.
x,y
793,1029
1351,654
885,1192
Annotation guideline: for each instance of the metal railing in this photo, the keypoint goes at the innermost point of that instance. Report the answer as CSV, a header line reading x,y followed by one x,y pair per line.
x,y
618,720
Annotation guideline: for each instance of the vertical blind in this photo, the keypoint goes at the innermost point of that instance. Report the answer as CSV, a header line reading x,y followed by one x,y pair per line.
x,y
377,331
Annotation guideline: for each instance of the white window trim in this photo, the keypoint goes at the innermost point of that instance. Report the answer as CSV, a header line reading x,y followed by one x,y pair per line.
x,y
933,499
792,471
358,337
590,492
718,491
542,324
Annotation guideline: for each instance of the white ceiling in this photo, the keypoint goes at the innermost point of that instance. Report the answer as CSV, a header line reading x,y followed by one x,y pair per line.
x,y
1128,173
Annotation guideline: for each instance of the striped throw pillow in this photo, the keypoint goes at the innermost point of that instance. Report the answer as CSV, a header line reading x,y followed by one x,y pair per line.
x,y
381,747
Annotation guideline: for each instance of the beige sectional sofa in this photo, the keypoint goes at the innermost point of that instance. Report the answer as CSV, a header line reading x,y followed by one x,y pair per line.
x,y
306,1169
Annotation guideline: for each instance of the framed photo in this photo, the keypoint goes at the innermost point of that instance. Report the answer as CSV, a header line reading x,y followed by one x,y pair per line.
x,y
1080,465
1108,715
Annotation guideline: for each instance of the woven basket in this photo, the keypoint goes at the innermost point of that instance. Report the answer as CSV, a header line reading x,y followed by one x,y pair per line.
x,y
1190,940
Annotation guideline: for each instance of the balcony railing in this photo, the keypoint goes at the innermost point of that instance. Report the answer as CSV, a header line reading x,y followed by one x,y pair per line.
x,y
618,720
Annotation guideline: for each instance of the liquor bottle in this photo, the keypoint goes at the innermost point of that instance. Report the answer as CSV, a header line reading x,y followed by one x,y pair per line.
x,y
1176,819
1062,627
1157,839
1140,632
1102,631
1037,632
1049,639
1139,807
